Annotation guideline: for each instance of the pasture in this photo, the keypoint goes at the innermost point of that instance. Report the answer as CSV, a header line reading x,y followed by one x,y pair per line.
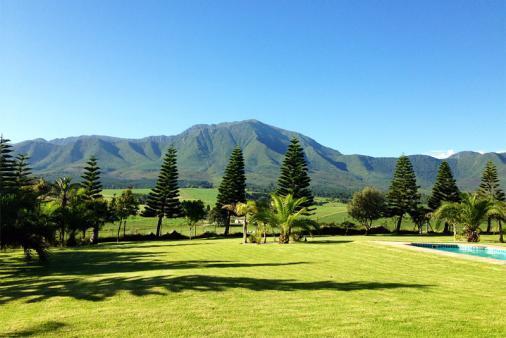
x,y
327,211
329,286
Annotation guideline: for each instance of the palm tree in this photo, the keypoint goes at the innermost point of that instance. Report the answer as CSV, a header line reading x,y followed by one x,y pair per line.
x,y
285,214
261,218
62,191
469,213
243,210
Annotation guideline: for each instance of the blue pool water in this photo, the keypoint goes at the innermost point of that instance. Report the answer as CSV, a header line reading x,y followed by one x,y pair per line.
x,y
480,251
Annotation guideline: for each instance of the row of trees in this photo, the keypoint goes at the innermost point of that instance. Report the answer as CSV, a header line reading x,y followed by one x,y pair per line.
x,y
35,214
446,202
163,200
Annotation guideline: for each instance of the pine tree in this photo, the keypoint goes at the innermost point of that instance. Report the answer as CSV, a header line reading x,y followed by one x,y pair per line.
x,y
7,171
445,189
232,189
21,222
93,191
403,196
91,179
7,184
490,187
163,200
294,178
22,171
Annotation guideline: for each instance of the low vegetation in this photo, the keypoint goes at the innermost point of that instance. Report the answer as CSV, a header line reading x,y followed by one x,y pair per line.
x,y
328,286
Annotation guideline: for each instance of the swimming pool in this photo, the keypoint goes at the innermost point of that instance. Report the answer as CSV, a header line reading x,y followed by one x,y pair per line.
x,y
473,250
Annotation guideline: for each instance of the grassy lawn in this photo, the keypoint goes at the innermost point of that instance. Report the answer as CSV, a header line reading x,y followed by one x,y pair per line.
x,y
208,196
328,211
332,286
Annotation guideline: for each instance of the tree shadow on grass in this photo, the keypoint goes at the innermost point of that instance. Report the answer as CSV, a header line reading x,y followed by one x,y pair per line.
x,y
98,290
326,242
86,275
98,262
48,327
148,244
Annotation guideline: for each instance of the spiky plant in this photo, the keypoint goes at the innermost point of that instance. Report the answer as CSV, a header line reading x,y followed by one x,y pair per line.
x,y
469,213
286,211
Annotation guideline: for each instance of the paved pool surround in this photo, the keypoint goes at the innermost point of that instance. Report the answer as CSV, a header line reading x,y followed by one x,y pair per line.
x,y
457,250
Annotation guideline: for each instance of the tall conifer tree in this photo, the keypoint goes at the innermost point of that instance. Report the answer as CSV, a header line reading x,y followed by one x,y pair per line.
x,y
21,222
93,190
232,189
7,185
7,171
294,177
490,187
445,189
163,200
22,171
403,196
91,179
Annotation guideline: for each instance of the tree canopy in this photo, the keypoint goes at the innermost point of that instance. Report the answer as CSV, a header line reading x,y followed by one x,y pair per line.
x,y
490,186
445,189
163,200
232,189
366,206
294,177
402,196
91,179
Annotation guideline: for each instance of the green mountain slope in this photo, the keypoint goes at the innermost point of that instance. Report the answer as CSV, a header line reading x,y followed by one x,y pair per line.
x,y
203,151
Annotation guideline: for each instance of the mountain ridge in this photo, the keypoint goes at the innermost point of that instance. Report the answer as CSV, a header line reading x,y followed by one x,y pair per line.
x,y
203,152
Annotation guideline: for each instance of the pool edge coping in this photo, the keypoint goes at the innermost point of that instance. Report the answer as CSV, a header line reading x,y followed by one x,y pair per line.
x,y
408,245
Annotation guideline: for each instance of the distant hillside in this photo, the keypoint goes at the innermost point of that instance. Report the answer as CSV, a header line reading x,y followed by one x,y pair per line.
x,y
203,151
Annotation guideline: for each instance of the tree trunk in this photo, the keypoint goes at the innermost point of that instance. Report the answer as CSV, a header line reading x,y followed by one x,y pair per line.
x,y
119,230
95,235
245,232
72,238
62,234
284,237
489,225
227,225
159,226
501,239
398,225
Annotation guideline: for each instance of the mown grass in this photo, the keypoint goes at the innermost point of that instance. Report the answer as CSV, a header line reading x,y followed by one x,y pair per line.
x,y
327,210
332,286
208,196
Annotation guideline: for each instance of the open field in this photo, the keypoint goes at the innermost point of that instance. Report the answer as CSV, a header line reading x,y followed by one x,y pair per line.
x,y
329,211
339,286
208,196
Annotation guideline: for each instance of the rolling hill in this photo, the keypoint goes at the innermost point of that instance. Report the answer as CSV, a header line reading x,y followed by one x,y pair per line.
x,y
203,151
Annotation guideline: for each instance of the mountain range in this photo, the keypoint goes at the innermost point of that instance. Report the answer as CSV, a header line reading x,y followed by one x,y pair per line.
x,y
203,152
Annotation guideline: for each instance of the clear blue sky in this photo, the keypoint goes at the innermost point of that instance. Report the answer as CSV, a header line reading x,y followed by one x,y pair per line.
x,y
370,77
